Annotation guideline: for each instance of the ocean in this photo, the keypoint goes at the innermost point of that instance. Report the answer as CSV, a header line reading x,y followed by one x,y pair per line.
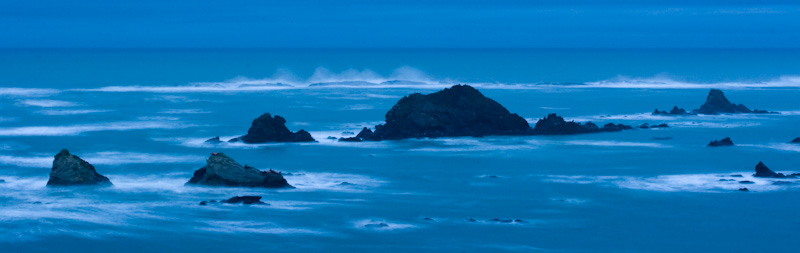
x,y
141,117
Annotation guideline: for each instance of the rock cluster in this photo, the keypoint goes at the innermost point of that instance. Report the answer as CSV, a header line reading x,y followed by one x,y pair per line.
x,y
221,170
716,103
69,169
556,125
724,142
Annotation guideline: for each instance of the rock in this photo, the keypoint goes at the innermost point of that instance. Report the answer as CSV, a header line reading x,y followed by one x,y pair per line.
x,y
724,180
234,140
724,142
556,125
747,182
428,219
214,140
376,225
796,140
744,190
348,133
267,129
662,125
247,200
645,125
674,112
460,110
501,220
716,103
763,171
471,220
737,175
331,138
203,203
350,139
69,169
221,170
2,181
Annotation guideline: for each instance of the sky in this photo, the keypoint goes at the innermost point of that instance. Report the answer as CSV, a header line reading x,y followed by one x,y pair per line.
x,y
399,24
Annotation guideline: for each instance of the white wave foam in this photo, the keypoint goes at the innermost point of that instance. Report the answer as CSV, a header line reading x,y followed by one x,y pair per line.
x,y
684,183
69,112
236,227
616,144
103,158
777,146
323,181
662,82
26,92
184,111
79,129
46,103
380,225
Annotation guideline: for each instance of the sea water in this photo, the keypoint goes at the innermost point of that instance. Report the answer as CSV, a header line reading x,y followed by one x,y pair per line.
x,y
142,116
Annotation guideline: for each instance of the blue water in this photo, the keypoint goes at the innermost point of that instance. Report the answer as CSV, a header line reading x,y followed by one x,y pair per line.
x,y
141,116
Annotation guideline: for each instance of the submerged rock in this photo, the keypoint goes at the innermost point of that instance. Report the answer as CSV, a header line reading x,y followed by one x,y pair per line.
x,y
247,200
556,125
214,140
460,110
716,103
724,142
267,129
674,112
70,169
376,225
221,170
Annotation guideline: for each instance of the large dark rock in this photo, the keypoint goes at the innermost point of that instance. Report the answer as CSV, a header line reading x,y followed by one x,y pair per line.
x,y
70,169
716,103
456,111
221,170
763,171
556,125
674,112
273,129
724,142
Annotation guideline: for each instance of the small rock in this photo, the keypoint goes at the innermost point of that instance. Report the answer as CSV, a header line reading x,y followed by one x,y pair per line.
x,y
376,225
203,203
723,180
348,133
744,190
796,140
237,139
501,220
747,182
331,138
247,200
736,175
724,142
428,219
662,125
471,220
214,140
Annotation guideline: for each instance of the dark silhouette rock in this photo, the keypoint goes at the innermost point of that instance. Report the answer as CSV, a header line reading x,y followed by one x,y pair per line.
x,y
744,190
674,112
348,133
247,200
724,142
221,170
456,111
267,129
726,180
471,220
70,169
234,140
644,126
365,135
662,125
556,125
350,139
796,140
331,138
203,203
716,103
428,219
747,182
214,140
763,171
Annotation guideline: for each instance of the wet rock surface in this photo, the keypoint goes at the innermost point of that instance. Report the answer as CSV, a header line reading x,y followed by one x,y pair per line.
x,y
221,170
266,129
70,169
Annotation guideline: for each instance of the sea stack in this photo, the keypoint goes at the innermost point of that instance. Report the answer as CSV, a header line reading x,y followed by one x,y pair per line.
x,y
221,170
716,103
266,129
460,110
796,140
556,125
70,169
720,143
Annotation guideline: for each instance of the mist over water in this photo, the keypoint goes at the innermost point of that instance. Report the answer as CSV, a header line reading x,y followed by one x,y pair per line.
x,y
141,117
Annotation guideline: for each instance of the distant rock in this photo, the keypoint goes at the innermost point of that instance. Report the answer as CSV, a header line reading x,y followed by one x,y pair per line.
x,y
471,220
2,181
662,125
376,225
365,135
674,112
348,133
796,140
716,103
644,126
747,182
428,219
460,110
331,138
267,129
350,139
247,200
556,125
70,169
763,171
724,142
214,140
221,170
234,140
744,190
726,180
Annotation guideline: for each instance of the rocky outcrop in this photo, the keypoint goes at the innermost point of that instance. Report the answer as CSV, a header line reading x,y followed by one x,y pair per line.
x,y
556,125
247,200
221,170
674,112
70,169
267,129
214,140
763,171
365,135
460,110
724,142
796,140
716,103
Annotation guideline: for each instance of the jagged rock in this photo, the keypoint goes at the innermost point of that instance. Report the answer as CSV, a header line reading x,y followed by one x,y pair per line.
x,y
796,140
365,135
267,129
221,170
716,103
214,140
70,169
674,112
247,200
763,171
556,125
348,133
724,142
456,111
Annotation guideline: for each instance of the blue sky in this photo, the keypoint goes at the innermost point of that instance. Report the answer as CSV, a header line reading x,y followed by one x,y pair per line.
x,y
399,24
